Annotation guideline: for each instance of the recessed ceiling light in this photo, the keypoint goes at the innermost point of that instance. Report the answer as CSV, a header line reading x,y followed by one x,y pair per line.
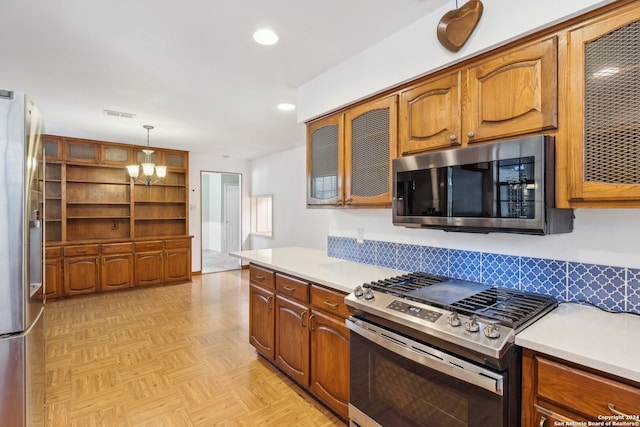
x,y
286,106
265,36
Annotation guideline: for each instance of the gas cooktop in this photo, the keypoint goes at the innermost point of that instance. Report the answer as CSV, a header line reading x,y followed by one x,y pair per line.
x,y
473,315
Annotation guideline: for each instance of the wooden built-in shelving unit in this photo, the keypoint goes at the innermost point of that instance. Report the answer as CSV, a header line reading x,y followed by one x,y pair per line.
x,y
92,204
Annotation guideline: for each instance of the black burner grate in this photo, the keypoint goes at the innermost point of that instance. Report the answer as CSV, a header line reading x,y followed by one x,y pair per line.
x,y
400,285
509,307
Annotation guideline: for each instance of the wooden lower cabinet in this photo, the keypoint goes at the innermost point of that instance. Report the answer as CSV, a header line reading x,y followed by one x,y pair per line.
x,y
262,320
556,392
177,265
88,268
149,268
292,339
81,275
330,361
301,328
117,266
53,279
117,272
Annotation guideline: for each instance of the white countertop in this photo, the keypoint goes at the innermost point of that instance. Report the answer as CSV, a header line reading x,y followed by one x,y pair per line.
x,y
590,337
314,265
577,333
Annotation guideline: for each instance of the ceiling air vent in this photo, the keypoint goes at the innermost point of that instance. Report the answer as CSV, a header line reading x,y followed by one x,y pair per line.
x,y
119,114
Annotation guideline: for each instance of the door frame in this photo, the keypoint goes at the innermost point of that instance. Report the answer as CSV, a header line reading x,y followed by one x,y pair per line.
x,y
202,240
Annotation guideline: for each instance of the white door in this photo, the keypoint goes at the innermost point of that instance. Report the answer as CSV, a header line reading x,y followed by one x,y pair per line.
x,y
231,220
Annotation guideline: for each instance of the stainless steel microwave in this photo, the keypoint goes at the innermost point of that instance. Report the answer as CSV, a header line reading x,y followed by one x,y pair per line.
x,y
506,187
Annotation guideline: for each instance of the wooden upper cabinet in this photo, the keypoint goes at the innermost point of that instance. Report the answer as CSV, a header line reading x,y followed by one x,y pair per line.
x,y
430,115
349,155
53,151
370,146
78,151
603,110
116,154
512,93
178,160
325,161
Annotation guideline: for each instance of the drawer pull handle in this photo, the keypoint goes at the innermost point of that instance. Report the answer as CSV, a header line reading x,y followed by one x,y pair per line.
x,y
613,410
81,251
259,277
542,421
288,288
331,304
269,303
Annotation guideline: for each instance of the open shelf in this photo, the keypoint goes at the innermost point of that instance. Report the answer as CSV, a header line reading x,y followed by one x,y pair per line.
x,y
90,196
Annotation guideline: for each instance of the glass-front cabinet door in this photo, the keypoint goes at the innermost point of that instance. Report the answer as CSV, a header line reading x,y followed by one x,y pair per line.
x,y
325,164
604,110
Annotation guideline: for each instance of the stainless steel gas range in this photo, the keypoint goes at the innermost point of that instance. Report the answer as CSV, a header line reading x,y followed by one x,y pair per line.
x,y
429,350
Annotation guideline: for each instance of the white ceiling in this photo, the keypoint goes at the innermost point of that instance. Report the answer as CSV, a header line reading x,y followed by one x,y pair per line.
x,y
188,67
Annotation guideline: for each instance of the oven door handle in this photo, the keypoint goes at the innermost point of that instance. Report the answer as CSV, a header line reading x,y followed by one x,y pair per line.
x,y
429,356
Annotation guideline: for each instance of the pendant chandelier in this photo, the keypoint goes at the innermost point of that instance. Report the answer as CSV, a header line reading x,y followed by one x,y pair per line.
x,y
148,167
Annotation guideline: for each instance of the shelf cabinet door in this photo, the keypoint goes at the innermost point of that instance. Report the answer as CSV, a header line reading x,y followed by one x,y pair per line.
x,y
53,151
262,320
117,272
53,278
149,268
325,161
81,275
512,93
603,111
177,265
330,361
370,146
430,115
81,151
292,339
116,154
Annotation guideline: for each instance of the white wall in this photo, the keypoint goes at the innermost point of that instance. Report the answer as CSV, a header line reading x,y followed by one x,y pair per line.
x,y
415,51
284,175
214,163
600,236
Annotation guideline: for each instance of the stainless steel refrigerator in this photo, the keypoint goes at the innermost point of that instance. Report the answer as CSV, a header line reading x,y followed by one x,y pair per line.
x,y
22,374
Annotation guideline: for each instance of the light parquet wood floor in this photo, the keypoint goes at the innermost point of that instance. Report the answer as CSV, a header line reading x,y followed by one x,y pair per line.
x,y
167,356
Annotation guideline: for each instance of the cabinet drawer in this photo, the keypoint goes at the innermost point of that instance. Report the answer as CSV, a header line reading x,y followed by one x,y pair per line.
x,y
149,246
291,287
117,248
262,277
81,250
178,243
53,252
584,392
329,300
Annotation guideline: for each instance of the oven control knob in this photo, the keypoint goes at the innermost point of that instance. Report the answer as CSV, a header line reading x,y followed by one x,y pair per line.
x,y
358,292
368,295
471,324
492,331
454,319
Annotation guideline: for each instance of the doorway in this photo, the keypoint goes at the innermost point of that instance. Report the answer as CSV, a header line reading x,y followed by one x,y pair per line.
x,y
220,220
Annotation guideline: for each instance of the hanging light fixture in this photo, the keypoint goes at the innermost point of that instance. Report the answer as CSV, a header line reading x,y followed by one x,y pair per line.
x,y
148,166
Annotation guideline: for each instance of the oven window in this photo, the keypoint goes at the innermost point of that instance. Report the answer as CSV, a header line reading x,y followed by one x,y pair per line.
x,y
393,390
420,399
